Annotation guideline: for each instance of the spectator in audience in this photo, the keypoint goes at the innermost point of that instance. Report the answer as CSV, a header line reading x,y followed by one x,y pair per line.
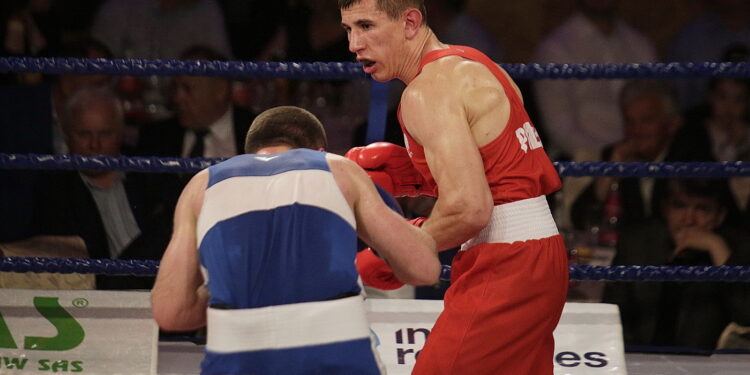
x,y
43,104
726,23
720,126
119,215
651,115
582,114
64,85
159,29
207,123
691,232
29,124
151,29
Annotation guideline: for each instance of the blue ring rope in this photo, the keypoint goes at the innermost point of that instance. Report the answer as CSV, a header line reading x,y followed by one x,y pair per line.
x,y
577,272
183,165
352,70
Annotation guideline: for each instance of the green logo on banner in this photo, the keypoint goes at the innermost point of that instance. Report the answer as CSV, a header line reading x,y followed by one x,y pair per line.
x,y
69,332
6,339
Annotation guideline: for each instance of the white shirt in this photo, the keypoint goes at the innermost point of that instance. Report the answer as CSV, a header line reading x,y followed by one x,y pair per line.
x,y
116,214
585,113
647,184
219,142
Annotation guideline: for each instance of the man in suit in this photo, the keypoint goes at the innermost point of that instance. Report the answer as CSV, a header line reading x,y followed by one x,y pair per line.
x,y
29,123
119,215
206,125
693,231
652,117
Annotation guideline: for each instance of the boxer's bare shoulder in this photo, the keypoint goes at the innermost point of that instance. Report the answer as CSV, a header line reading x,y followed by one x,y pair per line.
x,y
465,86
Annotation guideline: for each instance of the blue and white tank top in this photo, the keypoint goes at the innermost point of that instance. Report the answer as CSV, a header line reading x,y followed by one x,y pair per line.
x,y
276,229
277,242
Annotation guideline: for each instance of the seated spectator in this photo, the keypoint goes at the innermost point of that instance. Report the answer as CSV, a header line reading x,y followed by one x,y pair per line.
x,y
720,123
651,115
691,232
720,126
119,215
207,123
582,114
35,115
159,29
64,85
29,124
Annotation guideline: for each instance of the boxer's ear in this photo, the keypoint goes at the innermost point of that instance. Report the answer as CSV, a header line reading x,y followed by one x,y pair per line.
x,y
413,21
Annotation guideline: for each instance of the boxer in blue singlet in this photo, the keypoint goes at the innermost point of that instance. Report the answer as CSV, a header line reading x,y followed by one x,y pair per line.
x,y
263,253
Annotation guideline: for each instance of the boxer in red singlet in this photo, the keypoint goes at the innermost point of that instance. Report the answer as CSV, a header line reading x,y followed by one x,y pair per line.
x,y
468,133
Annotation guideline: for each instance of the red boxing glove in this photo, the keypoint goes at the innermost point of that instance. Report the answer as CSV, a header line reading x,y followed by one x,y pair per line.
x,y
375,272
417,222
390,167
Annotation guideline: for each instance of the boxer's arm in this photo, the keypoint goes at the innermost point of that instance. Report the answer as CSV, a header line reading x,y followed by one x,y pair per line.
x,y
410,251
178,299
434,114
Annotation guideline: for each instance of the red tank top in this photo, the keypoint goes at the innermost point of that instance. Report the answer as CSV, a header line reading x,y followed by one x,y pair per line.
x,y
515,163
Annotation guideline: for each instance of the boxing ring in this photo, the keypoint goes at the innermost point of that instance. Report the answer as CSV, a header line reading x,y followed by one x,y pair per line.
x,y
399,325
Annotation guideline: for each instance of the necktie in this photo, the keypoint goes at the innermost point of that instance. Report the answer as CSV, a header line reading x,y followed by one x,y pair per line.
x,y
197,150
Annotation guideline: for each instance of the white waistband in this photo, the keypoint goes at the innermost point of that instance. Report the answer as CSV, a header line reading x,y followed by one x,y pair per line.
x,y
527,219
286,326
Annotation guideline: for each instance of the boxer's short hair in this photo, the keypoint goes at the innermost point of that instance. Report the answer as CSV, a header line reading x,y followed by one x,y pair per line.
x,y
285,125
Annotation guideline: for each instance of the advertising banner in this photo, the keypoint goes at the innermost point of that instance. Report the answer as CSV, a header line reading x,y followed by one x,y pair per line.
x,y
588,340
105,332
86,332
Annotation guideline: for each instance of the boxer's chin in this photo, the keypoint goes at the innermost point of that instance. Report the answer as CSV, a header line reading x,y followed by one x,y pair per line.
x,y
380,76
377,78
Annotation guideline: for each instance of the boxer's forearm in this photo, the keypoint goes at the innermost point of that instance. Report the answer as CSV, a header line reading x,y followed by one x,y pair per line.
x,y
454,221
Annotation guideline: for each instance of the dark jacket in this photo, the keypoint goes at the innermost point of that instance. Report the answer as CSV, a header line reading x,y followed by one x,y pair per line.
x,y
586,210
64,206
687,314
165,138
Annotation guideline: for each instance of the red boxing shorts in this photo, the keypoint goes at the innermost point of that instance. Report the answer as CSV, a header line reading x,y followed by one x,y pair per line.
x,y
508,290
